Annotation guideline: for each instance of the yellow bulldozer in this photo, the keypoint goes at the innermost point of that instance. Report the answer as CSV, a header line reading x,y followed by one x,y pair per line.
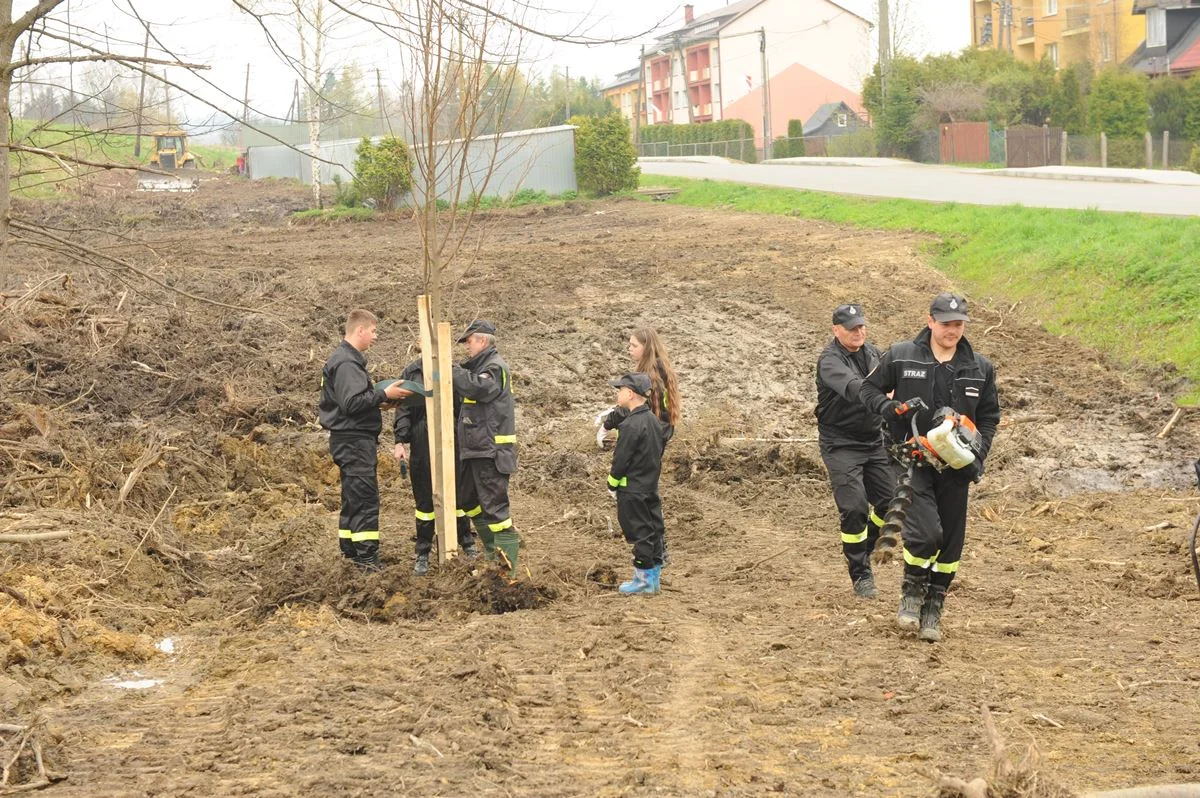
x,y
172,154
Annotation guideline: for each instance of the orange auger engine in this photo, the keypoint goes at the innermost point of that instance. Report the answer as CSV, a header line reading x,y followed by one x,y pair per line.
x,y
952,442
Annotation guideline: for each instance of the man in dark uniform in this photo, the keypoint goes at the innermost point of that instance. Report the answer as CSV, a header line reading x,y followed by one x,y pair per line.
x,y
633,482
349,409
487,441
412,447
939,367
851,441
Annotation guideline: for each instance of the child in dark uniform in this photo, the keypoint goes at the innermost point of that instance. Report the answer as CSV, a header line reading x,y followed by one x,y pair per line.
x,y
633,482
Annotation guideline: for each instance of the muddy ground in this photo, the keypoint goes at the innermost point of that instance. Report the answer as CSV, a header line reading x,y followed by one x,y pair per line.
x,y
175,441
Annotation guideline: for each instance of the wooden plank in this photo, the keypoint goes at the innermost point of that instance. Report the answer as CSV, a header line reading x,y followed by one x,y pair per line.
x,y
429,370
448,495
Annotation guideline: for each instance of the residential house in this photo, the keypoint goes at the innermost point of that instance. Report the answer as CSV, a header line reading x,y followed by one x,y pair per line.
x,y
1172,43
623,93
1100,32
806,52
833,119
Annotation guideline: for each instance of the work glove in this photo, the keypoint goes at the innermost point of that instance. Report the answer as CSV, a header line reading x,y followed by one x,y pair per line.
x,y
892,408
601,429
973,470
612,493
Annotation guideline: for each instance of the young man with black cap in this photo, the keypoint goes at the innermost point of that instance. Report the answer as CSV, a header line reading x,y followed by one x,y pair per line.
x,y
633,482
851,441
486,437
349,409
940,368
411,431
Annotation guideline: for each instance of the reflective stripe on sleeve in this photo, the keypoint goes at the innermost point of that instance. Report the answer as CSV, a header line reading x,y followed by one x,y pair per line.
x,y
506,439
613,482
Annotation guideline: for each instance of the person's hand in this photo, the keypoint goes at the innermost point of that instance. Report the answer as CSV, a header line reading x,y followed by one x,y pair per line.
x,y
973,470
401,452
891,409
612,493
395,393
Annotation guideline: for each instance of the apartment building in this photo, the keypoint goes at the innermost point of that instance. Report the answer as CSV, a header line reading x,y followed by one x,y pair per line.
x,y
1102,32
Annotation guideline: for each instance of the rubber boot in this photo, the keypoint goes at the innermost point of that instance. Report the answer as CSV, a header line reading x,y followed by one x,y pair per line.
x,y
655,579
368,560
931,614
489,544
641,584
510,544
912,596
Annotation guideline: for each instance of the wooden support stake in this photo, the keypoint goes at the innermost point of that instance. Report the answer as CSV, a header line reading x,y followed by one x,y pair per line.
x,y
448,495
429,368
1171,424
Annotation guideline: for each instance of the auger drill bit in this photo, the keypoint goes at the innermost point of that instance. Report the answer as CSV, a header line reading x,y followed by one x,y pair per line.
x,y
893,519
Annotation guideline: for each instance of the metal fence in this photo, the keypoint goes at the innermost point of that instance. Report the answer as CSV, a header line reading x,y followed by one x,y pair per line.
x,y
737,149
498,166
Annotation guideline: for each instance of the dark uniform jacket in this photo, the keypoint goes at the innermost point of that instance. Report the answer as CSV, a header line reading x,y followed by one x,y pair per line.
x,y
659,403
967,383
349,399
841,417
637,460
410,425
486,424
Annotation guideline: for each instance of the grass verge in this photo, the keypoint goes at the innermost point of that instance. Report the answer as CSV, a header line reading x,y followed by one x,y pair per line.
x,y
1125,283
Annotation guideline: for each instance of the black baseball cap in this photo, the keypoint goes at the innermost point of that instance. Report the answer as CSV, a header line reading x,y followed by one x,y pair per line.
x,y
849,316
949,307
478,326
636,382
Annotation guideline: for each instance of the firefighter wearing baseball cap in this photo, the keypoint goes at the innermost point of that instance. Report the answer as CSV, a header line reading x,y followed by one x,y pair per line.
x,y
487,441
851,443
633,482
941,368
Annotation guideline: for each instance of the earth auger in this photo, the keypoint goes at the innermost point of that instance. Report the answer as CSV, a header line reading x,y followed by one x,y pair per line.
x,y
952,442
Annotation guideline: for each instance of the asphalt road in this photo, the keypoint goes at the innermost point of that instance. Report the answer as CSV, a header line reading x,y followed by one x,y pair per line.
x,y
1080,189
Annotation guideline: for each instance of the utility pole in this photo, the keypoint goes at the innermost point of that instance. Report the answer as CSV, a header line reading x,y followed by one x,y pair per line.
x,y
245,112
885,49
568,95
167,96
137,141
762,48
383,120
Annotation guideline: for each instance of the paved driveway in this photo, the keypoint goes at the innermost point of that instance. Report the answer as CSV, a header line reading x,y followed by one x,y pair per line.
x,y
1049,187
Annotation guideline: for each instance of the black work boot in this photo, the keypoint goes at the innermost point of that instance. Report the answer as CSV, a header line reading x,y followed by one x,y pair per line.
x,y
931,614
864,586
421,565
912,596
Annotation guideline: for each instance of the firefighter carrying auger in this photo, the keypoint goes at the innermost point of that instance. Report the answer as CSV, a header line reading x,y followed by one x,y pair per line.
x,y
941,367
952,442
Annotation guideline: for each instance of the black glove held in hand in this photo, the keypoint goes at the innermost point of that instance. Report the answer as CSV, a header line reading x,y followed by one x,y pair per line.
x,y
891,408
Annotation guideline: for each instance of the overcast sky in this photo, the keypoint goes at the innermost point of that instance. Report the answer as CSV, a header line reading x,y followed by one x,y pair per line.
x,y
216,33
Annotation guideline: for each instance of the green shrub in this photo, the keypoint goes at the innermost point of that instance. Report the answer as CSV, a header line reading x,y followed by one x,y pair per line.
x,y
383,171
859,144
345,193
605,158
731,138
1194,161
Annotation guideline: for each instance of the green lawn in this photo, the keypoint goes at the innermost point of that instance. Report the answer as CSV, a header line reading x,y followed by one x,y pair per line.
x,y
1126,283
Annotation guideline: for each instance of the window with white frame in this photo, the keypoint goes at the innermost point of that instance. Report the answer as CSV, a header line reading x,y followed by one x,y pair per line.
x,y
1156,27
1049,7
1052,54
843,120
1106,48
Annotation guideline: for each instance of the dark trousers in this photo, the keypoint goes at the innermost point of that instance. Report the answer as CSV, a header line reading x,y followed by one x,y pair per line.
x,y
483,497
358,523
641,519
936,525
863,479
422,489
